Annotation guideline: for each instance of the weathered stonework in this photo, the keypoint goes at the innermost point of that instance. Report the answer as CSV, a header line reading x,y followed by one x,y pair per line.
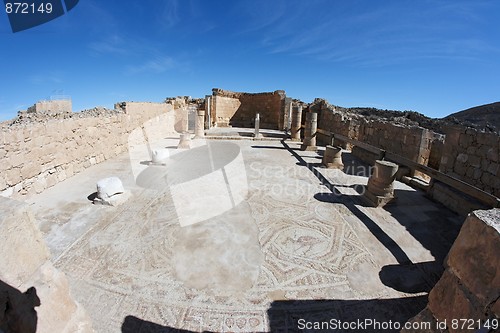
x,y
185,141
310,132
412,142
239,109
470,286
51,107
296,122
27,257
199,132
473,157
380,188
39,155
332,158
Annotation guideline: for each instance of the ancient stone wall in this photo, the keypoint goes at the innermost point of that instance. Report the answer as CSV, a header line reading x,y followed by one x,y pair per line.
x,y
411,142
239,109
337,123
473,157
26,257
469,289
52,106
36,156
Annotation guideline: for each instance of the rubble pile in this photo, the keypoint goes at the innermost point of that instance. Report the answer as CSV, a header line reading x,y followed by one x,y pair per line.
x,y
25,117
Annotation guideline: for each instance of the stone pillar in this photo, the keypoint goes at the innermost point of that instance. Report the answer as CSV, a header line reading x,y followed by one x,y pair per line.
x,y
380,188
310,132
185,142
296,123
289,116
199,126
332,158
183,124
208,110
257,125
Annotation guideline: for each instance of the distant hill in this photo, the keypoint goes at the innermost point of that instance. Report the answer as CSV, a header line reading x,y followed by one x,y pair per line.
x,y
486,116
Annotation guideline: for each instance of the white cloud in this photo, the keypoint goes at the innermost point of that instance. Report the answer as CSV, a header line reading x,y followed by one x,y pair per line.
x,y
114,44
43,78
380,34
157,65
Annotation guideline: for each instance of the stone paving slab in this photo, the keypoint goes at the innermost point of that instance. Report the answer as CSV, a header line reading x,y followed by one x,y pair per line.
x,y
290,249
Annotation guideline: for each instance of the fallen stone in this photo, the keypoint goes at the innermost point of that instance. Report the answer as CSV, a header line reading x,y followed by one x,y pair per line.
x,y
108,187
110,192
159,156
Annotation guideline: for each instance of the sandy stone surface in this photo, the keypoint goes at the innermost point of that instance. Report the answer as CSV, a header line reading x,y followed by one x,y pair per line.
x,y
290,249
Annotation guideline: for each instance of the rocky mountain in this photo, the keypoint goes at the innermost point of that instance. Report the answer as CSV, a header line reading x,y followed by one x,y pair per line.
x,y
484,118
487,116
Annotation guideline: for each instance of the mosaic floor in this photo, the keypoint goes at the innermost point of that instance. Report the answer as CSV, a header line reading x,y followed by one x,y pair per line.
x,y
288,250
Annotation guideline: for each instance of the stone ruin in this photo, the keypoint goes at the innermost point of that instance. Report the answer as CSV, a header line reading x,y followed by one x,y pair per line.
x,y
48,143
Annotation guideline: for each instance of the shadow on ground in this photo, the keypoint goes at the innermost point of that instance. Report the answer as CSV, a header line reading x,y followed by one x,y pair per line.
x,y
434,227
17,309
387,315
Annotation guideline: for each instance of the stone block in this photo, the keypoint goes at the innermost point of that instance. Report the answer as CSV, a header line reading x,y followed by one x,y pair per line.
x,y
21,243
108,187
489,139
465,140
448,301
15,159
69,170
13,176
30,170
492,154
474,161
159,156
476,260
462,158
493,168
460,168
51,180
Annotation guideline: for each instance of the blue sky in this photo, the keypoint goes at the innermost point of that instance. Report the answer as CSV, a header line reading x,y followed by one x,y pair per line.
x,y
434,57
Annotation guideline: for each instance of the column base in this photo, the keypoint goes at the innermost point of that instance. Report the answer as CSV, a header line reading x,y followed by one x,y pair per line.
x,y
377,200
334,166
308,148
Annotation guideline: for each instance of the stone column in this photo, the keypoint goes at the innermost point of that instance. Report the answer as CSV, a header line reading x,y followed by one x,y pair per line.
x,y
309,142
184,124
296,123
332,158
380,188
185,141
199,126
208,110
257,125
289,116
